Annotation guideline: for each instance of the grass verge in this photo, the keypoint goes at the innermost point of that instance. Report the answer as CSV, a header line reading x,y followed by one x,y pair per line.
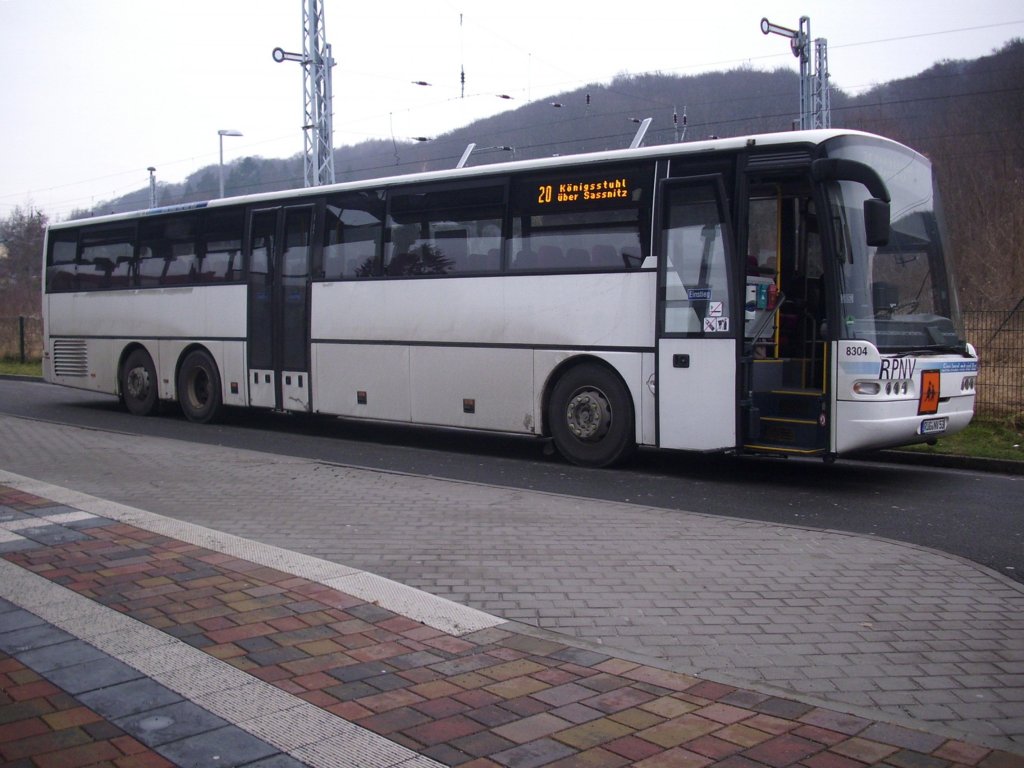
x,y
9,367
985,438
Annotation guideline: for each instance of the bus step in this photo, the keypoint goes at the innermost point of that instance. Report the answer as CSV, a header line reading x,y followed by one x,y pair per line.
x,y
800,404
782,450
787,421
789,432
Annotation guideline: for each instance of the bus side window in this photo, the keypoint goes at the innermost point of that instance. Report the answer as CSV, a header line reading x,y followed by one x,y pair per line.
x,y
577,220
60,267
577,241
180,268
221,256
102,253
445,231
605,256
353,234
485,248
170,246
149,267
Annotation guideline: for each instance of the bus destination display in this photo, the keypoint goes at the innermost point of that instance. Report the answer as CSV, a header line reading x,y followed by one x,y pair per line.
x,y
584,191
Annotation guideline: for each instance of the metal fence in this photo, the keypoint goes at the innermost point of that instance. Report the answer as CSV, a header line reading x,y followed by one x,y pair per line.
x,y
21,338
999,338
997,335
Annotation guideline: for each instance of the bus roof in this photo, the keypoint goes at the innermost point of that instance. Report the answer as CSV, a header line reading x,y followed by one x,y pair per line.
x,y
556,161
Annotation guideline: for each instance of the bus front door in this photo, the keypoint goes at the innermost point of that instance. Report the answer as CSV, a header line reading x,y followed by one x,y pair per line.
x,y
696,362
279,288
787,362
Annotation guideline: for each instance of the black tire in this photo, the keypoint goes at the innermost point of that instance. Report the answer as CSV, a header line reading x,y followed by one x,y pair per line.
x,y
139,386
199,387
590,414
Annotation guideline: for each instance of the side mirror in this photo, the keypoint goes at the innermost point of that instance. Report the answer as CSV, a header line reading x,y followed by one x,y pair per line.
x,y
876,221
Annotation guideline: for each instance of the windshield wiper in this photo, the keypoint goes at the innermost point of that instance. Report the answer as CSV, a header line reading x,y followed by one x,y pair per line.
x,y
960,348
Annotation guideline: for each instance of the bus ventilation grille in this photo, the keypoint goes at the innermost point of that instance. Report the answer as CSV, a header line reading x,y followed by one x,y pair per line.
x,y
70,357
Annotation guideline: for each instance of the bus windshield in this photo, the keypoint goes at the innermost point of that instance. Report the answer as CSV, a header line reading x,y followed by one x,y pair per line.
x,y
899,296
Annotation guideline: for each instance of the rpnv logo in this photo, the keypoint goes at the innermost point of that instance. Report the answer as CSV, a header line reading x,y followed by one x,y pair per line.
x,y
897,368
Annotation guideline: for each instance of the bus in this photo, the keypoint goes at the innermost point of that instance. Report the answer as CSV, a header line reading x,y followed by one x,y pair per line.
x,y
783,294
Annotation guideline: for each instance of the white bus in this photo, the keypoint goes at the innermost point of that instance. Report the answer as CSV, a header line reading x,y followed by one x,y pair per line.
x,y
783,294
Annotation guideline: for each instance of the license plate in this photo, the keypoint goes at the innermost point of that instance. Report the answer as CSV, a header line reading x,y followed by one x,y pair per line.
x,y
934,426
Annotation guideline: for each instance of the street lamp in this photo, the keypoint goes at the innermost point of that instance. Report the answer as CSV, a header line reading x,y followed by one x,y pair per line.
x,y
641,131
222,133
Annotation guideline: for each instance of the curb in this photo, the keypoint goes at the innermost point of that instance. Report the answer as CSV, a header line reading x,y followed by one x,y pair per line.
x,y
946,461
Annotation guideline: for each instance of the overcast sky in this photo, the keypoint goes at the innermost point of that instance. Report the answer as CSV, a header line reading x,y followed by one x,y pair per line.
x,y
94,91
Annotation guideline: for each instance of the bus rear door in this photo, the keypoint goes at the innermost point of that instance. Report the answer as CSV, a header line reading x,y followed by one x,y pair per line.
x,y
280,242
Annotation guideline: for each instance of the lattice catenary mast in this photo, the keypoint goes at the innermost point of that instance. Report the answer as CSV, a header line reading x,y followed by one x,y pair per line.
x,y
815,99
822,96
318,110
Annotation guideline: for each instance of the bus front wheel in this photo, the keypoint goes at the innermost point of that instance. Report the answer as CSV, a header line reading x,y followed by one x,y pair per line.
x,y
138,384
199,387
591,417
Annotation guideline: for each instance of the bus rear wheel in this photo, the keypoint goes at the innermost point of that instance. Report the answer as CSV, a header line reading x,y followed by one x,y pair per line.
x,y
138,384
199,387
591,417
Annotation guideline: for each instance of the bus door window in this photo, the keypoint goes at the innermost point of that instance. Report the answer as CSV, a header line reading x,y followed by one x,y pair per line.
x,y
784,249
762,297
696,273
801,280
294,285
763,236
261,278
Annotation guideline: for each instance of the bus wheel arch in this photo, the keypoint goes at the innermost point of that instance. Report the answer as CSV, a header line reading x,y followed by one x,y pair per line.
x,y
198,385
137,381
589,413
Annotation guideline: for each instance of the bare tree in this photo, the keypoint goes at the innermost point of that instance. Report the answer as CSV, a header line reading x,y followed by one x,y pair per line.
x,y
21,261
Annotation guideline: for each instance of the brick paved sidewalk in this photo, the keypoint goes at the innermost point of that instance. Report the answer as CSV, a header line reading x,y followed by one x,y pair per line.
x,y
41,725
851,622
414,693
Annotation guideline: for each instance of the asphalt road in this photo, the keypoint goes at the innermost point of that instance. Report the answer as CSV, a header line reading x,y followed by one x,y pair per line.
x,y
976,515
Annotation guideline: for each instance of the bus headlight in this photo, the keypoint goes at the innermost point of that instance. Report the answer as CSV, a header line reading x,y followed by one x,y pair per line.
x,y
866,387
